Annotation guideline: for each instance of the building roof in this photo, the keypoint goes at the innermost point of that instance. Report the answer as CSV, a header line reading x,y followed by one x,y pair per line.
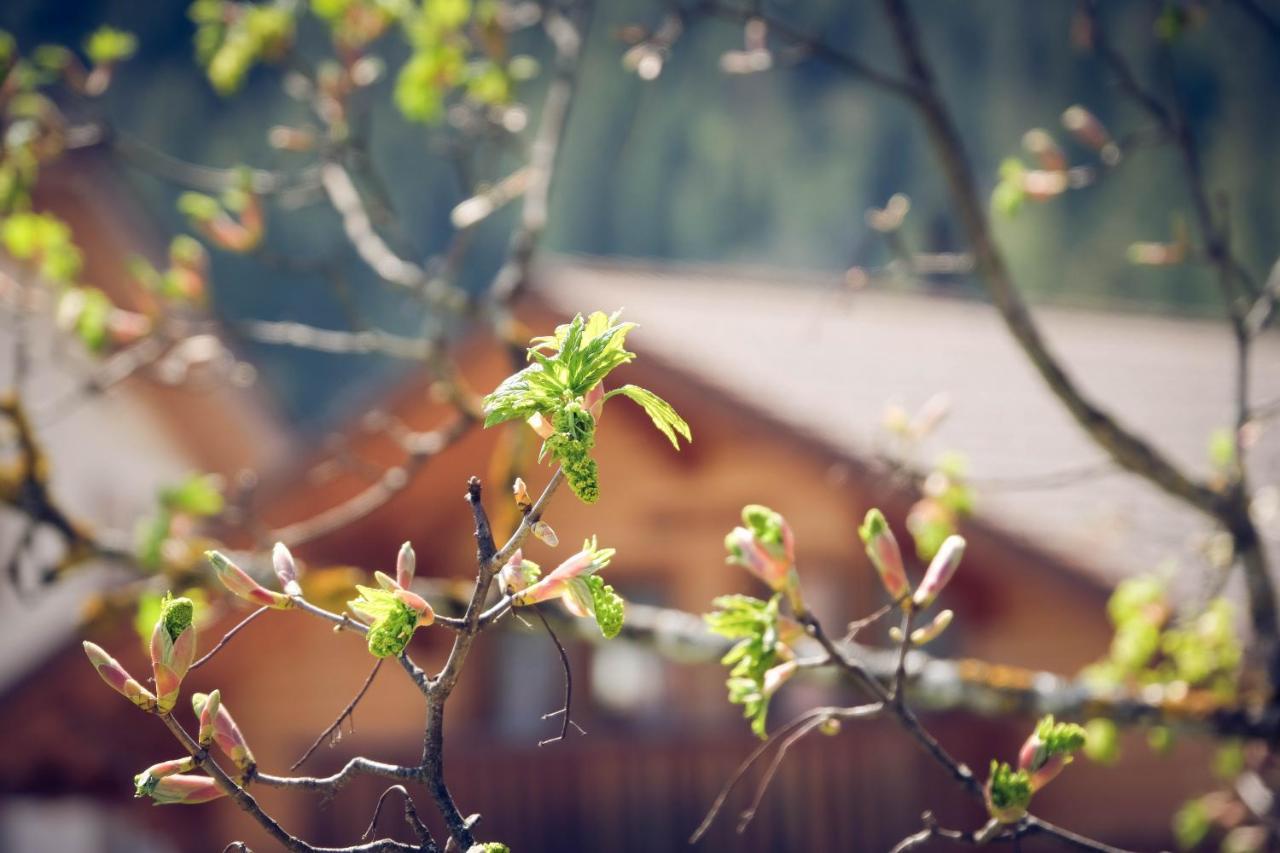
x,y
828,361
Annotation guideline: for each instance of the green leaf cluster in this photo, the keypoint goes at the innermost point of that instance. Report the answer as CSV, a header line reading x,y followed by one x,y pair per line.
x,y
1009,789
151,605
565,367
44,240
393,621
1150,647
177,615
108,45
1009,194
232,37
198,495
1058,739
754,624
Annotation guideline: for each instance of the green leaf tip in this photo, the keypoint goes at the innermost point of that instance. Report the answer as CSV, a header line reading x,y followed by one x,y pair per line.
x,y
177,614
873,525
765,524
1060,738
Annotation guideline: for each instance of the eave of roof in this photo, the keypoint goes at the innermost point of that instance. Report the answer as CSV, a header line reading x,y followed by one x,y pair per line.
x,y
825,362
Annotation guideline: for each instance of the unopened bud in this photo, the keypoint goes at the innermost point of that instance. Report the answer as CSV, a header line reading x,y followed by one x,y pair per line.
x,y
286,569
118,678
173,649
940,571
178,789
225,733
285,138
238,582
543,531
885,556
933,630
521,492
406,564
208,714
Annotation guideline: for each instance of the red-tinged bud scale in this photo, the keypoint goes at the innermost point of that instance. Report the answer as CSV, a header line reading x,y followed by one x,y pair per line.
x,y
226,734
885,555
179,790
941,570
238,582
118,678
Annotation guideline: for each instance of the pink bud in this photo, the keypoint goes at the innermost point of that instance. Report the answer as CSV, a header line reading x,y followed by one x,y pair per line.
x,y
172,656
286,569
406,562
226,734
208,715
885,556
778,676
750,553
119,679
517,574
940,571
184,790
1043,769
238,582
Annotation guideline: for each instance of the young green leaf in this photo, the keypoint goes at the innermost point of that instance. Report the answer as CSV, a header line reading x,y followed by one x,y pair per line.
x,y
664,417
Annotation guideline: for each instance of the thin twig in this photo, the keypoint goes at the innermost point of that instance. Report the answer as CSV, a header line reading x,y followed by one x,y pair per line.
x,y
346,713
568,683
227,637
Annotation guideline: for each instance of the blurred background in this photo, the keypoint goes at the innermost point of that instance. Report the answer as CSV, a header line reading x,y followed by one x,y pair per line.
x,y
786,243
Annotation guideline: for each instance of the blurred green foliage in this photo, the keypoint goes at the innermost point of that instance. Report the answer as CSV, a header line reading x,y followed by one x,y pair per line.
x,y
775,168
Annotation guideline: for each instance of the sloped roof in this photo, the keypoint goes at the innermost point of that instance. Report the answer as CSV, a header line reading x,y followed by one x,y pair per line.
x,y
828,361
